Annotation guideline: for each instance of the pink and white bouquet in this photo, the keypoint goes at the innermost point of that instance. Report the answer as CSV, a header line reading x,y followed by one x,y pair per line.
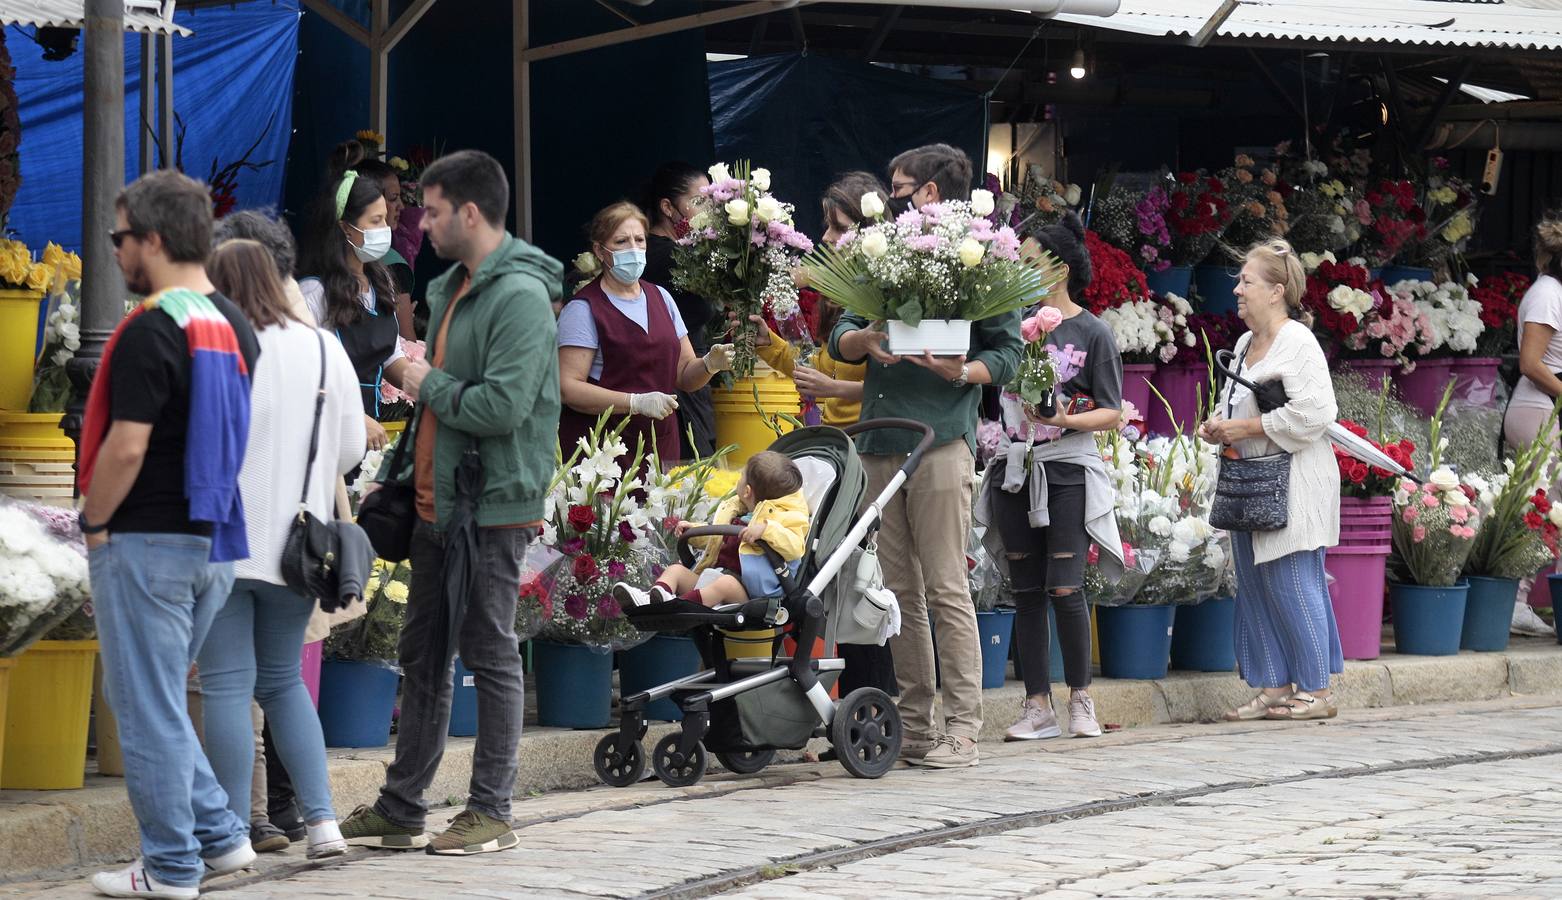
x,y
943,261
1037,377
1452,318
1151,330
739,251
1435,526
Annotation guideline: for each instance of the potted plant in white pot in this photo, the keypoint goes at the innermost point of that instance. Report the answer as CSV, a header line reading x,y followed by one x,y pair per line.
x,y
931,272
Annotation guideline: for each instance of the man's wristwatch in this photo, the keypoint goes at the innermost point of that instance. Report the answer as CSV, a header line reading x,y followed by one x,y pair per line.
x,y
964,377
81,520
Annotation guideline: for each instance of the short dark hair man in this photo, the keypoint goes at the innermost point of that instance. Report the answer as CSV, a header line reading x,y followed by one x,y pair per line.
x,y
163,522
930,174
494,386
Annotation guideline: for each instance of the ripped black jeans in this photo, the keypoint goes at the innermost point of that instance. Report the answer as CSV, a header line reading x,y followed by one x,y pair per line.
x,y
1047,568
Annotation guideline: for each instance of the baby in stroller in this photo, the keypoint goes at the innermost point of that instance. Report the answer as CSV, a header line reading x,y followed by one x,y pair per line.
x,y
771,506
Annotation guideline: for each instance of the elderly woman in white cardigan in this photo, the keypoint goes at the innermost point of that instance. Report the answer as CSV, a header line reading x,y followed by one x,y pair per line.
x,y
1287,642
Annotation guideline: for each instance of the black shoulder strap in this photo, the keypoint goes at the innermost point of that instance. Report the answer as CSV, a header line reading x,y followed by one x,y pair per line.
x,y
314,434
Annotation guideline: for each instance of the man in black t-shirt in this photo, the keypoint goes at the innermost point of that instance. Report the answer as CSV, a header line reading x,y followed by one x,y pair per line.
x,y
154,588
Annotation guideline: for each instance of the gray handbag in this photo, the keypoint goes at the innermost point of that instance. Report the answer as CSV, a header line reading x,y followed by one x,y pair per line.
x,y
1251,494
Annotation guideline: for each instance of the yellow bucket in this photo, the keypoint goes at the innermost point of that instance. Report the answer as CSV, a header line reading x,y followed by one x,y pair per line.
x,y
36,458
740,421
46,717
750,644
393,430
6,664
19,311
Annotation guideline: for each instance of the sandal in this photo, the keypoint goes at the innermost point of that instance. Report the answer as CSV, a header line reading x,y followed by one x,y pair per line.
x,y
1256,708
1303,706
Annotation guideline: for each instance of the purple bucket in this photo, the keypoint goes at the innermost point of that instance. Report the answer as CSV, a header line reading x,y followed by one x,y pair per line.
x,y
1136,385
1357,597
1375,371
1183,385
1424,387
1475,379
309,666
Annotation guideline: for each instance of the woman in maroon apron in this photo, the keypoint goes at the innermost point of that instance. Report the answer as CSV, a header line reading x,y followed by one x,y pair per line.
x,y
623,345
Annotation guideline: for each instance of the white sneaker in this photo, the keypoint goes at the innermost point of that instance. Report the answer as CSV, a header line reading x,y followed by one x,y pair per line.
x,y
240,857
1037,721
629,595
1082,715
136,881
1525,621
325,840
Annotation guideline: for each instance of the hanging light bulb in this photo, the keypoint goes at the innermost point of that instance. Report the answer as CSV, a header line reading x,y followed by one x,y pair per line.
x,y
1077,67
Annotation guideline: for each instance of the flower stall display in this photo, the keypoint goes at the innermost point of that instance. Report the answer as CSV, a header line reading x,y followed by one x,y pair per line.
x,y
1135,221
1453,317
1198,213
61,334
24,282
688,493
1451,213
931,272
1362,481
1042,200
739,250
1257,204
1499,297
1362,319
1114,279
1322,217
1391,219
358,676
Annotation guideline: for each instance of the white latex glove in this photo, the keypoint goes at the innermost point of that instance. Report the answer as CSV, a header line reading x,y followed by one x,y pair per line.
x,y
654,404
719,359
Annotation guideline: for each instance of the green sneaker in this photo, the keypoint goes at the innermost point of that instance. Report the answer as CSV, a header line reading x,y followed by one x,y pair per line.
x,y
472,832
367,828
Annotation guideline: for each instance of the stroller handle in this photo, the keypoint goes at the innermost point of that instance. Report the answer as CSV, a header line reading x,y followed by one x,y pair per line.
x,y
686,556
915,459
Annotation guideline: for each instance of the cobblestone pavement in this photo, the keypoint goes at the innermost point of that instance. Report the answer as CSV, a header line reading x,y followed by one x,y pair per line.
x,y
1412,802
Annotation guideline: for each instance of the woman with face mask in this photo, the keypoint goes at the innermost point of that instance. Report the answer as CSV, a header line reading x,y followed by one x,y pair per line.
x,y
346,285
623,346
670,202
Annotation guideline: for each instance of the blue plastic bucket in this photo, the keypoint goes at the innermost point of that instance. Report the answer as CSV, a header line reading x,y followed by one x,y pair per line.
x,y
1214,286
663,658
1135,640
1428,620
1393,275
463,702
1204,636
1174,280
356,702
574,685
1488,613
995,629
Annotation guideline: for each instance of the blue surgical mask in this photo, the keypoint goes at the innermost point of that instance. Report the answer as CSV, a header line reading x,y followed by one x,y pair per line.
x,y
628,265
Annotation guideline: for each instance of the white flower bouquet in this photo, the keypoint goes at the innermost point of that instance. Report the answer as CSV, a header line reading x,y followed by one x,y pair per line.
x,y
43,577
945,262
1150,331
739,251
1453,319
375,636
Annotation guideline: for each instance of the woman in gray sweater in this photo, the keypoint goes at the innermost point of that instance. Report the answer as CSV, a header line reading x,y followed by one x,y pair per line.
x,y
1287,642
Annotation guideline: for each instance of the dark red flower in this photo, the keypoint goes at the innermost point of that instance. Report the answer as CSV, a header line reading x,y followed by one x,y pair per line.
x,y
582,517
585,569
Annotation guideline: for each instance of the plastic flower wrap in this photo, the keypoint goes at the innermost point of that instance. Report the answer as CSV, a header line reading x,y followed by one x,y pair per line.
x,y
943,261
688,493
1453,317
1391,219
375,635
595,520
1358,479
1435,526
1037,375
61,333
1198,213
1135,221
1451,213
43,574
1519,531
1257,203
739,250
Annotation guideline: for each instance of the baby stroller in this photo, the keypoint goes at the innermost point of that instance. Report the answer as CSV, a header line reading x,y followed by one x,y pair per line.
x,y
744,710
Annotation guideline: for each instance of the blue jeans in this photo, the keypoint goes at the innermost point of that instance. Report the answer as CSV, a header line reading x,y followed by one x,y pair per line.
x,y
154,597
253,651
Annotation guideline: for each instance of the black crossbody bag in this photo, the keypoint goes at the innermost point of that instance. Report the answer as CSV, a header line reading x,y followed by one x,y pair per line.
x,y
1250,494
312,554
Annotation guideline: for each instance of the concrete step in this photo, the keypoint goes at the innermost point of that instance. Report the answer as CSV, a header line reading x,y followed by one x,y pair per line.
x,y
42,831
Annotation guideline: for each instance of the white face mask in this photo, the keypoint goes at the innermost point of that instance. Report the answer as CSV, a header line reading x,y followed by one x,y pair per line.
x,y
376,243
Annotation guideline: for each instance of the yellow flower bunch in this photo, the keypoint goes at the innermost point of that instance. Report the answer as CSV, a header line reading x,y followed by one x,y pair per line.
x,y
40,277
1459,228
1334,188
65,264
16,263
369,136
722,482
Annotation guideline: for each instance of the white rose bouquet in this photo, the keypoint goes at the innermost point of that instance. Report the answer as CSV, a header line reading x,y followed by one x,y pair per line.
x,y
1453,318
739,251
43,578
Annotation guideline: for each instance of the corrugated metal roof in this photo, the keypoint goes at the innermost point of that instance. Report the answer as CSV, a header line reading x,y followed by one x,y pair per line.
x,y
1535,25
71,14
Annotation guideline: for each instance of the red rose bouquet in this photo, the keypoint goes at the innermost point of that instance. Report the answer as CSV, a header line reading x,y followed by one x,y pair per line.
x,y
1114,279
1358,479
1198,213
1391,218
1499,296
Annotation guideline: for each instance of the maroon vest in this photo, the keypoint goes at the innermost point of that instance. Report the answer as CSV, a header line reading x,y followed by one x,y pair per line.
x,y
633,361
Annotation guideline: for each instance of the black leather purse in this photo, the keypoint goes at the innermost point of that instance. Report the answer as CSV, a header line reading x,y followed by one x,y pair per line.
x,y
311,554
1252,494
389,514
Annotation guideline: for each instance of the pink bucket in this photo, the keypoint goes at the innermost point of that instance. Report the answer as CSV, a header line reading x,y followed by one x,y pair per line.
x,y
1357,597
1183,385
1384,538
1136,386
1424,387
1540,594
1475,380
309,665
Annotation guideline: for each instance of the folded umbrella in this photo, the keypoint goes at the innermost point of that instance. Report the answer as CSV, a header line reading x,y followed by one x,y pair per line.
x,y
1271,395
461,554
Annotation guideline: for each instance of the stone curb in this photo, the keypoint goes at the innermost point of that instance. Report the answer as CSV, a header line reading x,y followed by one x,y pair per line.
x,y
44,831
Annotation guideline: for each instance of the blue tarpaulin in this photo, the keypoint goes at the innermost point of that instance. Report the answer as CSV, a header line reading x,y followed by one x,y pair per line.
x,y
231,78
810,118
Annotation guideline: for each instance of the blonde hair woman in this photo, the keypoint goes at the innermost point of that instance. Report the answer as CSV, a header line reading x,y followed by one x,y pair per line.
x,y
1540,358
1287,642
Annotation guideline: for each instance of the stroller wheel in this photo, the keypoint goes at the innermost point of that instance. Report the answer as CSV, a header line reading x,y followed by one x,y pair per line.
x,y
615,767
866,732
746,762
677,769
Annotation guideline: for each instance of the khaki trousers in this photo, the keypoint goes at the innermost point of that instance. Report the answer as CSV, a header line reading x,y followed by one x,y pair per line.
x,y
922,544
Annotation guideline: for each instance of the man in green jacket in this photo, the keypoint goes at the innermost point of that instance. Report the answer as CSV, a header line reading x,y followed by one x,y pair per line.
x,y
491,382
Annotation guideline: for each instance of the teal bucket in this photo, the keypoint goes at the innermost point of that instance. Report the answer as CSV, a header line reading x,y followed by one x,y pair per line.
x,y
574,685
995,629
463,702
1172,280
1214,285
1204,636
356,702
664,658
1135,640
1488,613
1428,620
